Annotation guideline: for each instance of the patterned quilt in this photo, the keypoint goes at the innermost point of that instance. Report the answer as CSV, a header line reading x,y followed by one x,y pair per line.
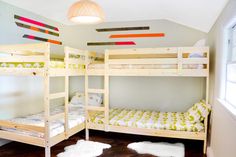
x,y
149,119
53,64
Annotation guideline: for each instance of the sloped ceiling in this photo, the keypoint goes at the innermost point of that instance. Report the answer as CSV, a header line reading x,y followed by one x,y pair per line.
x,y
198,14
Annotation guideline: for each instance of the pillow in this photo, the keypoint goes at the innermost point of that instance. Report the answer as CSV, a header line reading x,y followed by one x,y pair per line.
x,y
199,43
198,112
95,99
79,98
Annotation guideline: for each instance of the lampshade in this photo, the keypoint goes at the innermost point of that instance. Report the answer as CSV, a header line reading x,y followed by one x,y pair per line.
x,y
86,12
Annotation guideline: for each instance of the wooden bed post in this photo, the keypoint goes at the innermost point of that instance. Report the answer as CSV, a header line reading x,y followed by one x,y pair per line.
x,y
86,97
47,102
106,93
207,102
66,93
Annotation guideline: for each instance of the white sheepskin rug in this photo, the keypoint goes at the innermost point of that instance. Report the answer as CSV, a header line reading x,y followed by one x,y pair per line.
x,y
84,149
158,149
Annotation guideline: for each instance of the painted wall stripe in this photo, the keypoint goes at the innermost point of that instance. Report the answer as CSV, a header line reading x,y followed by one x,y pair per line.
x,y
122,29
21,18
150,35
42,39
36,29
111,43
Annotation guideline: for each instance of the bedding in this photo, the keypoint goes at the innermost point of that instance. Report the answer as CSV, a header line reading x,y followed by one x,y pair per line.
x,y
149,119
94,99
144,66
53,64
198,112
76,117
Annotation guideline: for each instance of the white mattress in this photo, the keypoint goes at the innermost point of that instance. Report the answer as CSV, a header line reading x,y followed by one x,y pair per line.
x,y
76,117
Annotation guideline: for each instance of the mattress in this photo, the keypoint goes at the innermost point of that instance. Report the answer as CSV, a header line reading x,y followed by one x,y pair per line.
x,y
149,120
53,64
76,117
146,66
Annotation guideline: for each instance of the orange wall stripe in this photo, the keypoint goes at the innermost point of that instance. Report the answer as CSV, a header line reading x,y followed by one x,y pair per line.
x,y
54,42
149,35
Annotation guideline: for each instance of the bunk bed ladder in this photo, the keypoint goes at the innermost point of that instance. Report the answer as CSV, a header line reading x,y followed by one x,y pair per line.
x,y
105,92
51,96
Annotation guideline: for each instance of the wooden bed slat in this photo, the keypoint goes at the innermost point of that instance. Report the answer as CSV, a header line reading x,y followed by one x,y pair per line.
x,y
25,49
151,132
20,59
57,95
143,61
22,138
96,91
25,127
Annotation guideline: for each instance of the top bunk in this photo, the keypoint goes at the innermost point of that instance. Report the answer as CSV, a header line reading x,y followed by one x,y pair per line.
x,y
172,61
37,60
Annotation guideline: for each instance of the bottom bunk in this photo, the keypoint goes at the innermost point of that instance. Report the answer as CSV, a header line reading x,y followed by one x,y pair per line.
x,y
186,125
76,123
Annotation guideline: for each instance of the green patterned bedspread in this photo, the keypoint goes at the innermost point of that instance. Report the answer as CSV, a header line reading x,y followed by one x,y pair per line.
x,y
149,119
53,64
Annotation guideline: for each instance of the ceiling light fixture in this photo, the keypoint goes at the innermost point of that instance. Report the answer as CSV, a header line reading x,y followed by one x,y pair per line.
x,y
86,12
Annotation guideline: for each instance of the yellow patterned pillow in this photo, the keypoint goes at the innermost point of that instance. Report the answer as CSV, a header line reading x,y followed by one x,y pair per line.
x,y
198,112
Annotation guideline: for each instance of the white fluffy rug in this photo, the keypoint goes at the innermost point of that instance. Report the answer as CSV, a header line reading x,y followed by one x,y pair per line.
x,y
84,149
158,149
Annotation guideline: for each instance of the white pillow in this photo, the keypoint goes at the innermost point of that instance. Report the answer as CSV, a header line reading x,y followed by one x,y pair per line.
x,y
95,99
199,43
79,98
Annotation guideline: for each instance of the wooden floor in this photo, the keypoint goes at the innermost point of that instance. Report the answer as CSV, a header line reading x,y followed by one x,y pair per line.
x,y
119,144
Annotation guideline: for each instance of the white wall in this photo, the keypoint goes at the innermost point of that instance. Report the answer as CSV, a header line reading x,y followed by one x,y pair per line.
x,y
223,137
157,93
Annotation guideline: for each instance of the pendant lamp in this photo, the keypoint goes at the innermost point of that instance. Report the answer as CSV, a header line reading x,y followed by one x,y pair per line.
x,y
86,12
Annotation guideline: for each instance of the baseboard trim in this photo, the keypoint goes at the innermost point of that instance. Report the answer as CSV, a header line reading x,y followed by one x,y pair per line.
x,y
3,142
210,152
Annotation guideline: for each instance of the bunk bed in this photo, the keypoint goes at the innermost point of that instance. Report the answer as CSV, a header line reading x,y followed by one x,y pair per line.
x,y
54,125
172,62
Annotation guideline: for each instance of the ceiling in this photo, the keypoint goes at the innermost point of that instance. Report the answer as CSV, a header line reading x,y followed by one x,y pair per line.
x,y
198,14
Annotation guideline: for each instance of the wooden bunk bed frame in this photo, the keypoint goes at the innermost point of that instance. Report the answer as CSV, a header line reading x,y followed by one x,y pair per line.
x,y
26,53
177,56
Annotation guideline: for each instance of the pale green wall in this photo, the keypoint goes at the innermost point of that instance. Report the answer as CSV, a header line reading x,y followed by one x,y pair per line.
x,y
223,136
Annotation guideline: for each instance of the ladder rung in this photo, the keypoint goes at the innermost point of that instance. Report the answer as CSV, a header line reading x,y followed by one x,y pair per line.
x,y
95,108
96,91
57,95
57,116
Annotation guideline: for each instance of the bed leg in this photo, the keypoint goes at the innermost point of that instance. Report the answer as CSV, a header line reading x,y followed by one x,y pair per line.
x,y
47,151
87,134
204,146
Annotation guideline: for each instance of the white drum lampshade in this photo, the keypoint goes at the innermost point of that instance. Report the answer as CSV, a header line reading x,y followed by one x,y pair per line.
x,y
86,12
